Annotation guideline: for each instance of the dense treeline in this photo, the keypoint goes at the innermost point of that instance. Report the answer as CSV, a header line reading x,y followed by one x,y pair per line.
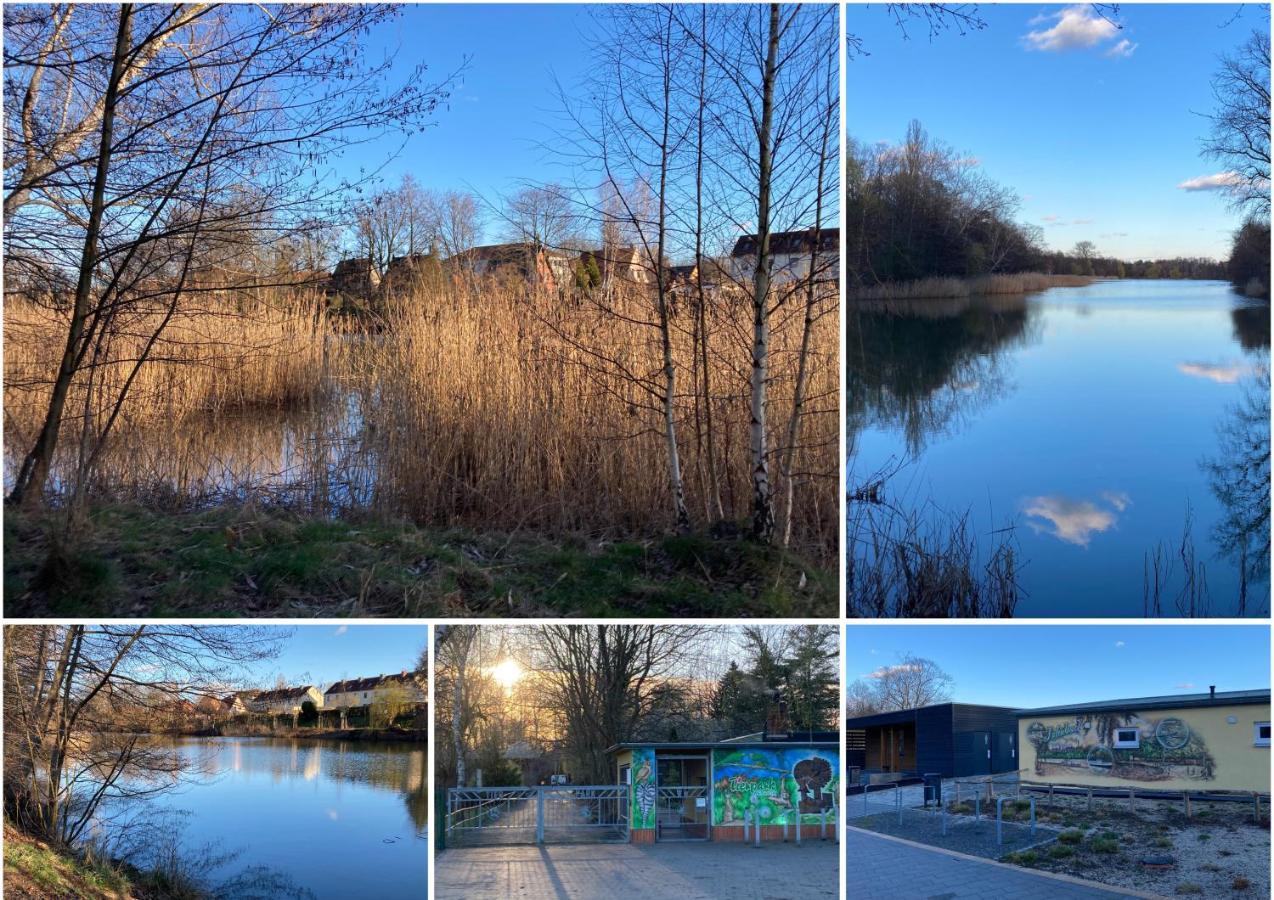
x,y
1082,260
921,210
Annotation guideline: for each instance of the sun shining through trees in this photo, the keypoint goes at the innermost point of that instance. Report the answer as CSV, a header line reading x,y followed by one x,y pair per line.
x,y
508,673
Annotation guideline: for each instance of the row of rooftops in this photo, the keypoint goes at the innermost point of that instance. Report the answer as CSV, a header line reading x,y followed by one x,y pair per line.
x,y
1172,701
351,685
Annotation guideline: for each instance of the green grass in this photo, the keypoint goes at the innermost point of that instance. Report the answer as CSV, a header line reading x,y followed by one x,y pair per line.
x,y
1073,836
132,561
1061,851
31,866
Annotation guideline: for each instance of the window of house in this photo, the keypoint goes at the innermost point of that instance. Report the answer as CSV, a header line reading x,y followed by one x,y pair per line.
x,y
1127,738
1261,734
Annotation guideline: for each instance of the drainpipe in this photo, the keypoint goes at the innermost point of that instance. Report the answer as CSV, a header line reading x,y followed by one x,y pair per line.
x,y
1212,692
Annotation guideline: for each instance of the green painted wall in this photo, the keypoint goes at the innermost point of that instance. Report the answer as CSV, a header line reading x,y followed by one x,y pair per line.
x,y
776,786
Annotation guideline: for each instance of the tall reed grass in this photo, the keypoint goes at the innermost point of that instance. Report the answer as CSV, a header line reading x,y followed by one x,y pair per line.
x,y
486,406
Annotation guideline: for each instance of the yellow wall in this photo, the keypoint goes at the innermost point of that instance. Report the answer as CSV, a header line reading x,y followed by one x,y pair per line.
x,y
1216,748
622,758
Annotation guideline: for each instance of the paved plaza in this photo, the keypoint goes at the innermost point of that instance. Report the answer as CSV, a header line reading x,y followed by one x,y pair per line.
x,y
676,871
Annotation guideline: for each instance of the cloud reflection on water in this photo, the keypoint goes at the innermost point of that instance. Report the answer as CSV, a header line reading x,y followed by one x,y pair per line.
x,y
1075,521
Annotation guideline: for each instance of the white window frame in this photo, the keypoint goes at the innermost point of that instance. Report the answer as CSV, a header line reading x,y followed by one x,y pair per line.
x,y
1257,740
1123,744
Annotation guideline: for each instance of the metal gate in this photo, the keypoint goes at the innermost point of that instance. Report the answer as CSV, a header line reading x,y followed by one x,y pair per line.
x,y
537,815
682,814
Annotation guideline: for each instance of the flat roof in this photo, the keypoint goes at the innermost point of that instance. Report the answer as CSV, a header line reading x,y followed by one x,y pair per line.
x,y
1171,701
703,745
902,716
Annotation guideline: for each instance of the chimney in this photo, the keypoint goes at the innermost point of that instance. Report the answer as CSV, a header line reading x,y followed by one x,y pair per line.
x,y
1212,692
776,720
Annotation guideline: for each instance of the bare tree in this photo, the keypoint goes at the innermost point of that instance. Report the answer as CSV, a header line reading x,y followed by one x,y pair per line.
x,y
1240,137
78,700
909,684
604,679
249,100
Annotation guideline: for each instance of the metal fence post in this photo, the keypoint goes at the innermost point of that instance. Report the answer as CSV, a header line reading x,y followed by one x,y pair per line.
x,y
822,830
1032,817
539,815
999,821
747,822
756,831
977,807
865,787
944,820
785,829
798,828
898,802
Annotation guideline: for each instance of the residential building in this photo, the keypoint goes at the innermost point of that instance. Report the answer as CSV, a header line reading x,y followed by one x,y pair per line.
x,y
286,701
792,253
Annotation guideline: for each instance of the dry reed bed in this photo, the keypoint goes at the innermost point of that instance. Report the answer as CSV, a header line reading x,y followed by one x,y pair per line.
x,y
944,288
206,361
491,409
505,410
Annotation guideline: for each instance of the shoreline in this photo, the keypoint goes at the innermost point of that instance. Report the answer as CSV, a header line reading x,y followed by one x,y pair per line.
x,y
379,735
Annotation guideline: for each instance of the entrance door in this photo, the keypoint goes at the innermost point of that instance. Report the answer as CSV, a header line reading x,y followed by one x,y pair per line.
x,y
684,808
1004,752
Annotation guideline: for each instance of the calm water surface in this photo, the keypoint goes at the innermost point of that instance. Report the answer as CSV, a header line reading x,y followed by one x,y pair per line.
x,y
328,819
1095,422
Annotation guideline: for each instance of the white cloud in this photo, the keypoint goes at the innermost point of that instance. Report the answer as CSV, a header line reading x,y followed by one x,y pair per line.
x,y
1075,27
1081,221
1119,643
889,670
1049,218
1221,181
1184,686
341,629
1124,48
1220,373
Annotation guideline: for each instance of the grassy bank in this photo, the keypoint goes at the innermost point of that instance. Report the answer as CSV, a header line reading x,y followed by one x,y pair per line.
x,y
946,288
35,870
236,561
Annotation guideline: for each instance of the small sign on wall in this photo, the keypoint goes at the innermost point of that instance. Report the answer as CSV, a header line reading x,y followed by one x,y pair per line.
x,y
701,802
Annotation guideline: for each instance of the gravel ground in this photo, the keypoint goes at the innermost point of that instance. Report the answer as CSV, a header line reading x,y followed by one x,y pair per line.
x,y
1220,852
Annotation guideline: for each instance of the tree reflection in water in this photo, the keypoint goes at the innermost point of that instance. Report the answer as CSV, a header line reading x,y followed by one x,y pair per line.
x,y
924,366
1240,478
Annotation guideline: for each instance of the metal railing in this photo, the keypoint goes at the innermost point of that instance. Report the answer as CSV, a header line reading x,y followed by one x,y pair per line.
x,y
537,815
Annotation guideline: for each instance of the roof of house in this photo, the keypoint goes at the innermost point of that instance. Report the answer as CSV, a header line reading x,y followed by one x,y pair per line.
x,y
283,694
354,685
1171,701
902,716
790,242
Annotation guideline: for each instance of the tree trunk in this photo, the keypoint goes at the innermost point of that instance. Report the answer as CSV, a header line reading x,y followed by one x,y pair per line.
x,y
762,499
34,472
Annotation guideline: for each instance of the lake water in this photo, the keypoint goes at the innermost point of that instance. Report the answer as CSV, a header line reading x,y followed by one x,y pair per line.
x,y
321,819
1093,422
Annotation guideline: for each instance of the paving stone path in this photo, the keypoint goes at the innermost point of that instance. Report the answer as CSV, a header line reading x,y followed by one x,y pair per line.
x,y
878,868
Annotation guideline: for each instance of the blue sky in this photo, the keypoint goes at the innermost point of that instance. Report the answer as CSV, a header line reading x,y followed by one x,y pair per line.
x,y
1042,665
489,138
322,654
1095,128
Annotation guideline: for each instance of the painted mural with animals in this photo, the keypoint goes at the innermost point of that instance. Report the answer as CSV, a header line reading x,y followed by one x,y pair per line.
x,y
774,787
